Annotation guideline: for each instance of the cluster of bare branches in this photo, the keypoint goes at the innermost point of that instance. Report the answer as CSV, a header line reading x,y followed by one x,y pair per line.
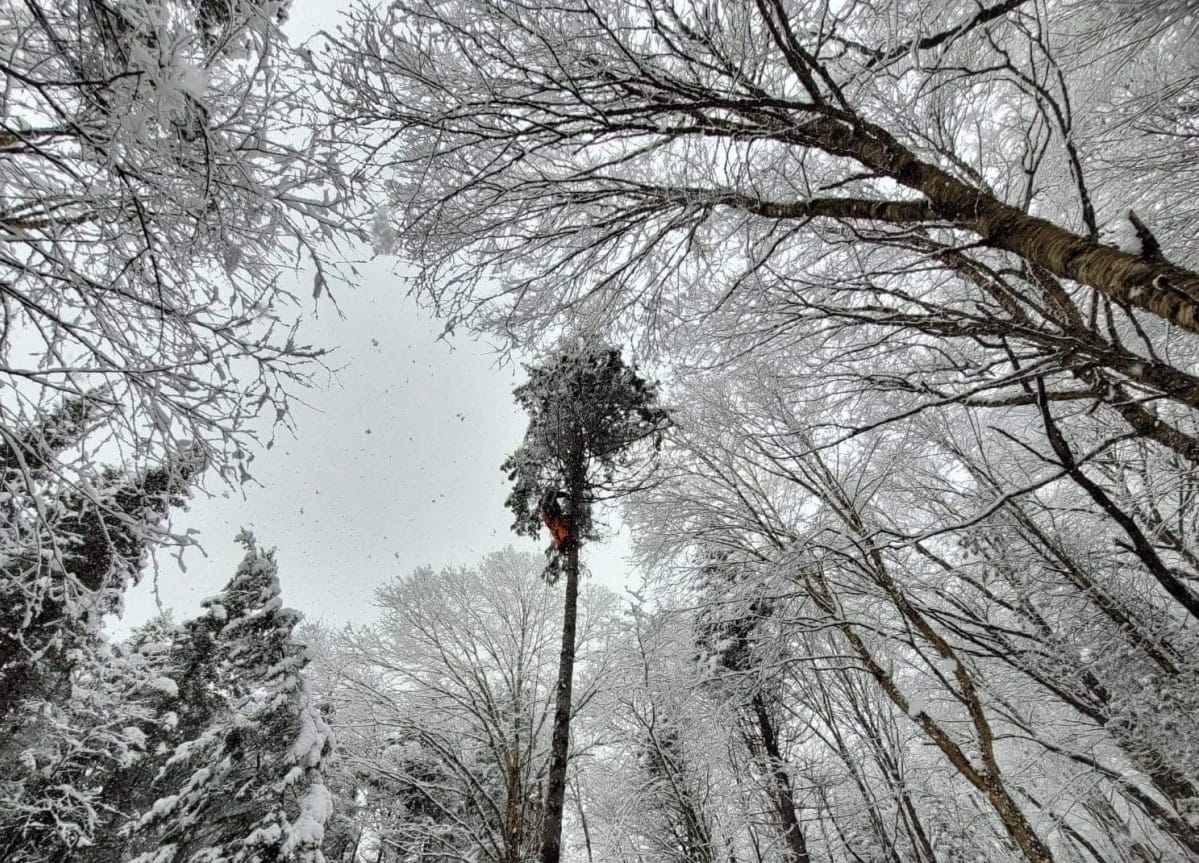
x,y
444,710
157,190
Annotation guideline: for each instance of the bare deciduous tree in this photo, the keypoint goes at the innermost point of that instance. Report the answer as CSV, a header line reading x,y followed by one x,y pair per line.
x,y
444,708
158,190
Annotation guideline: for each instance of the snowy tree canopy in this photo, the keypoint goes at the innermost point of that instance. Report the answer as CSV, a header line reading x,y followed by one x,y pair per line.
x,y
156,187
917,538
590,414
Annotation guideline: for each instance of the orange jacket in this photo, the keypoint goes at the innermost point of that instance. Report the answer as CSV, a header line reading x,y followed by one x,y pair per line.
x,y
559,532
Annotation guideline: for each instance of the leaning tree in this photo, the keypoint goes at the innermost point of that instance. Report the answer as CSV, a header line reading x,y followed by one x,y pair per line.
x,y
594,425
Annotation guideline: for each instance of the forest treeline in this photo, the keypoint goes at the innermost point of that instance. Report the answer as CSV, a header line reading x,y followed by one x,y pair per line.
x,y
909,461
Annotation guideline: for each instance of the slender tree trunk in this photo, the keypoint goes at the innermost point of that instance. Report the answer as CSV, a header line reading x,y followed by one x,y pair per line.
x,y
784,797
514,821
555,789
583,819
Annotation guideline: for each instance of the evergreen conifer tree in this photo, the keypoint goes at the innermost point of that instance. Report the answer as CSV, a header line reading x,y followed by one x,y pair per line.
x,y
74,709
248,788
590,416
75,759
176,681
68,550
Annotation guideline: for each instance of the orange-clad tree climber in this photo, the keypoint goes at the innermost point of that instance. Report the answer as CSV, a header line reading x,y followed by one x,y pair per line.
x,y
554,517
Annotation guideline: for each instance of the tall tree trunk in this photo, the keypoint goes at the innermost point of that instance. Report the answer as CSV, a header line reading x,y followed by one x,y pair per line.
x,y
781,792
555,790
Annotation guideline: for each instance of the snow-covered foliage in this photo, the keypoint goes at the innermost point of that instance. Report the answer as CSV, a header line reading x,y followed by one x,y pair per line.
x,y
75,709
591,421
184,743
154,187
65,747
443,708
922,542
67,552
248,788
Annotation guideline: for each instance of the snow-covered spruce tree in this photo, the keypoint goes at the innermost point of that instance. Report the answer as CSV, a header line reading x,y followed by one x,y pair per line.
x,y
592,420
67,749
359,801
31,640
177,683
74,709
248,788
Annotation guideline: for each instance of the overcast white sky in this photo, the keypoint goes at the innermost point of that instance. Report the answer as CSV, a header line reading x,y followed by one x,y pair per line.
x,y
395,464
